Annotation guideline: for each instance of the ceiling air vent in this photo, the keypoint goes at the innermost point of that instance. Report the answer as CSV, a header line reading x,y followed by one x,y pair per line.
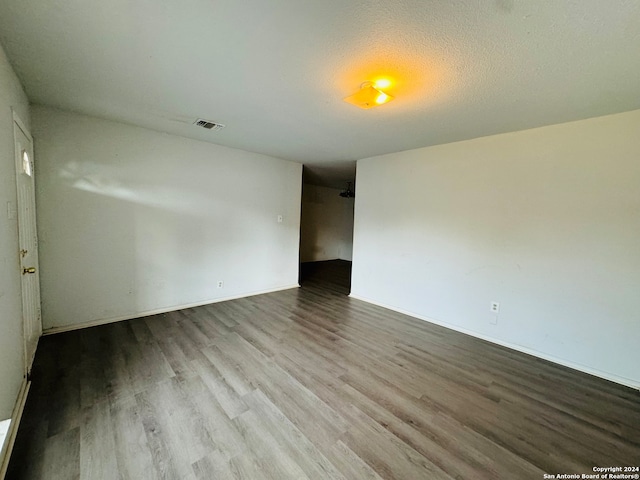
x,y
208,125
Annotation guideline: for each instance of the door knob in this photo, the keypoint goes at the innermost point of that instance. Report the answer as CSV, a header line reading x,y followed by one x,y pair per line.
x,y
28,270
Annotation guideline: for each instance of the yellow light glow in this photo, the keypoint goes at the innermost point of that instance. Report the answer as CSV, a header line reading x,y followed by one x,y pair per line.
x,y
382,83
417,79
382,98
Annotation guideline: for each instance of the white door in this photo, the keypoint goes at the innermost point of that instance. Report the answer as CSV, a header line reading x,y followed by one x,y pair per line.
x,y
28,240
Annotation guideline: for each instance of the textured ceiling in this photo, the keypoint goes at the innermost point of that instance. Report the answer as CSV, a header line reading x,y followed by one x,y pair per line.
x,y
275,72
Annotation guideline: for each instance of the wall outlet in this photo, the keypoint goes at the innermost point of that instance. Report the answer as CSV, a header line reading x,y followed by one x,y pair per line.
x,y
280,218
495,307
220,284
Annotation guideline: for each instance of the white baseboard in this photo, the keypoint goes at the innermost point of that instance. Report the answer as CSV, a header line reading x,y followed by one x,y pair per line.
x,y
148,313
16,416
560,361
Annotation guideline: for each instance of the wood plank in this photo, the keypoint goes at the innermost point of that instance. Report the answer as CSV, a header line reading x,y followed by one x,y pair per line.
x,y
213,466
97,446
62,456
290,439
131,447
274,461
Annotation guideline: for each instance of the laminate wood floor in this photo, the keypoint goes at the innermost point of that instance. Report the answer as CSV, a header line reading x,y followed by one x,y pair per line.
x,y
310,384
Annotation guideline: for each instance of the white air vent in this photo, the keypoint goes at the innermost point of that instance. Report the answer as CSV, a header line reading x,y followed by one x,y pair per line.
x,y
208,125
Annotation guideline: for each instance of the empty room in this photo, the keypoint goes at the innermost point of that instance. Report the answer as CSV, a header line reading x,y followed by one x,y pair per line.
x,y
319,239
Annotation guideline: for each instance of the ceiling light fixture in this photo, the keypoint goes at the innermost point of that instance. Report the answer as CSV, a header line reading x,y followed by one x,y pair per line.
x,y
348,193
370,95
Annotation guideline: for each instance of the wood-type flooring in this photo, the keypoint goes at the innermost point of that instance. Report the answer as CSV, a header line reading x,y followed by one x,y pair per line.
x,y
310,384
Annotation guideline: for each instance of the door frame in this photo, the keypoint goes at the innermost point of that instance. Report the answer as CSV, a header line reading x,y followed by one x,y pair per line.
x,y
28,356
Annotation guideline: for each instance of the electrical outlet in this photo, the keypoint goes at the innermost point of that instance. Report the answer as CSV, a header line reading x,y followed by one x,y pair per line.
x,y
220,284
495,307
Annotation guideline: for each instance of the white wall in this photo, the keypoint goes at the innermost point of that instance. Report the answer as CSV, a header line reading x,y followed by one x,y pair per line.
x,y
133,221
545,221
326,225
11,337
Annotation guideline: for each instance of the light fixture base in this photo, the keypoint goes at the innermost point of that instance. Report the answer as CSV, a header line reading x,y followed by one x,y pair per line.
x,y
368,97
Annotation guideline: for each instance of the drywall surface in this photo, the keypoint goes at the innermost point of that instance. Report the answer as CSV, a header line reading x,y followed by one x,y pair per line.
x,y
326,225
11,331
133,221
544,221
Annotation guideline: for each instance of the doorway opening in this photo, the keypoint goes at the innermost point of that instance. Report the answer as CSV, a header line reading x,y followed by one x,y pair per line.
x,y
326,234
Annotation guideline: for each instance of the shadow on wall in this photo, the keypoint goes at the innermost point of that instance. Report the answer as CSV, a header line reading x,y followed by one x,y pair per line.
x,y
141,242
130,237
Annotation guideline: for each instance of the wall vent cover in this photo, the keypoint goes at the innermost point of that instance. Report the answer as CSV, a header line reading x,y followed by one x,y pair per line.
x,y
208,125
